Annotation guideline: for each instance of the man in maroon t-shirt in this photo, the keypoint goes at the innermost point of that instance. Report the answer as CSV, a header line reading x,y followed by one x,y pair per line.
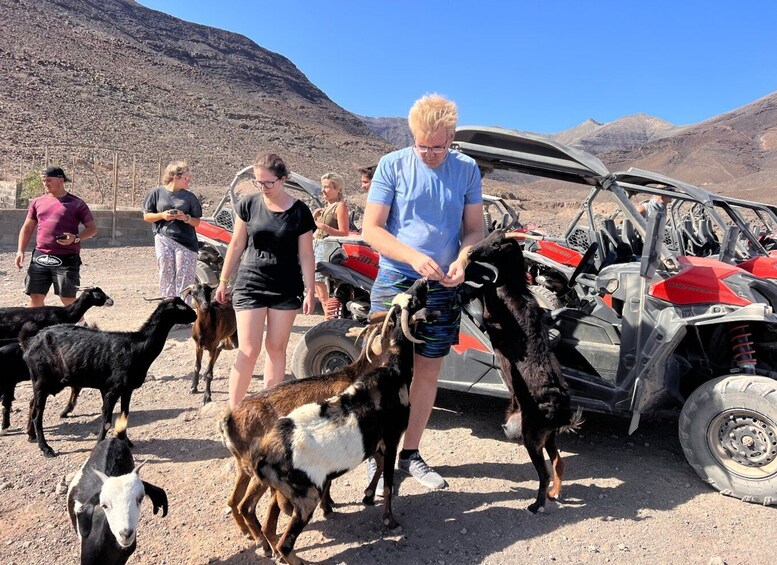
x,y
56,259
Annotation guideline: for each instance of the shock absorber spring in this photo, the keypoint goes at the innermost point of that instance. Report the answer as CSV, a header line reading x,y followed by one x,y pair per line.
x,y
742,346
332,308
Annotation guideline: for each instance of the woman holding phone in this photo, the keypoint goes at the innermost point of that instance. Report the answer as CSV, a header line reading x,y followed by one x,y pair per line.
x,y
175,212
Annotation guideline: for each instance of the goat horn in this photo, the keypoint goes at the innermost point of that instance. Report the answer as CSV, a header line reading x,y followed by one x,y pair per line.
x,y
187,291
406,327
138,466
385,324
157,299
370,339
522,235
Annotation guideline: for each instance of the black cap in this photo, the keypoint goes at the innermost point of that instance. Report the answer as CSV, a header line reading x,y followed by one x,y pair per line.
x,y
55,172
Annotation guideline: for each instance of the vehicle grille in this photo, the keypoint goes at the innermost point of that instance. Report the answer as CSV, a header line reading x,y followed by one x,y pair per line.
x,y
224,220
579,239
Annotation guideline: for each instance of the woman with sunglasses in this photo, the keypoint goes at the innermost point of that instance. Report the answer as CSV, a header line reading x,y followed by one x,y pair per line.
x,y
273,243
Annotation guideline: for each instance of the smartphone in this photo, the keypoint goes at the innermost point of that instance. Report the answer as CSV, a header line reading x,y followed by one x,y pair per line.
x,y
61,237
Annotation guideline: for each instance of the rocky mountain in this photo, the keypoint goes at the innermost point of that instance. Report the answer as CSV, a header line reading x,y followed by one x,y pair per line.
x,y
734,153
112,74
625,132
592,136
393,130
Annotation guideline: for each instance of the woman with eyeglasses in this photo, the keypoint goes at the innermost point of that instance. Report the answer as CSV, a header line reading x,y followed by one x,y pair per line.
x,y
331,220
175,212
273,243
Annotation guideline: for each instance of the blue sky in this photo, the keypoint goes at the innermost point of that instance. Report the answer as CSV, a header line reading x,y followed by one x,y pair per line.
x,y
530,65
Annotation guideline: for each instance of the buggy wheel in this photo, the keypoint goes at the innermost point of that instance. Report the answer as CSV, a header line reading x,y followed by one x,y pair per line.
x,y
728,431
545,297
325,348
204,274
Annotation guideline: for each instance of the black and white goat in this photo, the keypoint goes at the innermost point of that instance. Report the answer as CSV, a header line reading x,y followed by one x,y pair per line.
x,y
539,397
104,499
115,363
318,442
243,429
214,330
12,320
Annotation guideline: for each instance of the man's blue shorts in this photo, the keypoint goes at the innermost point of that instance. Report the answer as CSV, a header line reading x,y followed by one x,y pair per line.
x,y
439,334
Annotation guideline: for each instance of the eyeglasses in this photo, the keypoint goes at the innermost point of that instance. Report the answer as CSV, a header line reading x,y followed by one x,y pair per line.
x,y
435,150
267,184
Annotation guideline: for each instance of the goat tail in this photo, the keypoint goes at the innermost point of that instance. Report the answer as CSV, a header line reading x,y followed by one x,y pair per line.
x,y
121,427
574,423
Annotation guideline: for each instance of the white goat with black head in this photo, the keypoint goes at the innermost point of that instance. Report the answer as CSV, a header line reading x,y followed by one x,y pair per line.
x,y
104,500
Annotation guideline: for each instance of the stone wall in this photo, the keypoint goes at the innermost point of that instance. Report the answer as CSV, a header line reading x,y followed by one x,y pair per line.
x,y
130,229
8,194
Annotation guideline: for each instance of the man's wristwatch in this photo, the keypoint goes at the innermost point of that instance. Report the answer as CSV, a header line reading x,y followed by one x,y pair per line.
x,y
77,240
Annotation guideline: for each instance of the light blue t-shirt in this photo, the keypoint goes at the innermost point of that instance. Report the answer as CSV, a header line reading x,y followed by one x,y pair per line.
x,y
427,205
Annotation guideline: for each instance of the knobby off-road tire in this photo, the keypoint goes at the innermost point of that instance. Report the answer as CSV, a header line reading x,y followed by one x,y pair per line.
x,y
545,297
325,348
204,274
728,431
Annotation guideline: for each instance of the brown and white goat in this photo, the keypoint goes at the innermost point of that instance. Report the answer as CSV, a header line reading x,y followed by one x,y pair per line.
x,y
214,330
318,442
539,397
244,428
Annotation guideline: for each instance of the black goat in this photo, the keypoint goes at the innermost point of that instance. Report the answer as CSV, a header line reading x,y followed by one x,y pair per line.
x,y
115,363
318,442
214,330
12,320
539,397
14,372
103,501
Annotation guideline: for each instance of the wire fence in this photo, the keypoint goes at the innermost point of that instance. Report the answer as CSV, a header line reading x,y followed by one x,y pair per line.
x,y
105,178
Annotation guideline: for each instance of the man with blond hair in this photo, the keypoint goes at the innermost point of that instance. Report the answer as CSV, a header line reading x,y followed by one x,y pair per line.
x,y
424,211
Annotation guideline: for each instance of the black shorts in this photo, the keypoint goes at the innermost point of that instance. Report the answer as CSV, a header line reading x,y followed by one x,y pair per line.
x,y
63,271
254,300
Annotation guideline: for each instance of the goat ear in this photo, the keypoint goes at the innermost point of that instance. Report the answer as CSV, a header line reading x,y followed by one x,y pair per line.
x,y
103,477
84,516
158,497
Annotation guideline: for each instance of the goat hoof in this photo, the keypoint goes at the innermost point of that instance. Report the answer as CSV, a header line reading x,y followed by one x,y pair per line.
x,y
31,439
534,508
194,390
206,399
3,431
48,452
369,499
392,525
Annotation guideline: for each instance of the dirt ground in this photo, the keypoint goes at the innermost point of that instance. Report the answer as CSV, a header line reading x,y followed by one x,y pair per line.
x,y
627,499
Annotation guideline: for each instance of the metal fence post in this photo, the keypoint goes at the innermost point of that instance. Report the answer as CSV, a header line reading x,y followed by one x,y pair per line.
x,y
115,191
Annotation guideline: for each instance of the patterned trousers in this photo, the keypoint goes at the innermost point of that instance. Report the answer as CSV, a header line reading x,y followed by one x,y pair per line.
x,y
177,266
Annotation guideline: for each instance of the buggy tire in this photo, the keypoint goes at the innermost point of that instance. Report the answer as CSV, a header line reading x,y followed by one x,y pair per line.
x,y
545,297
728,431
204,274
325,348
